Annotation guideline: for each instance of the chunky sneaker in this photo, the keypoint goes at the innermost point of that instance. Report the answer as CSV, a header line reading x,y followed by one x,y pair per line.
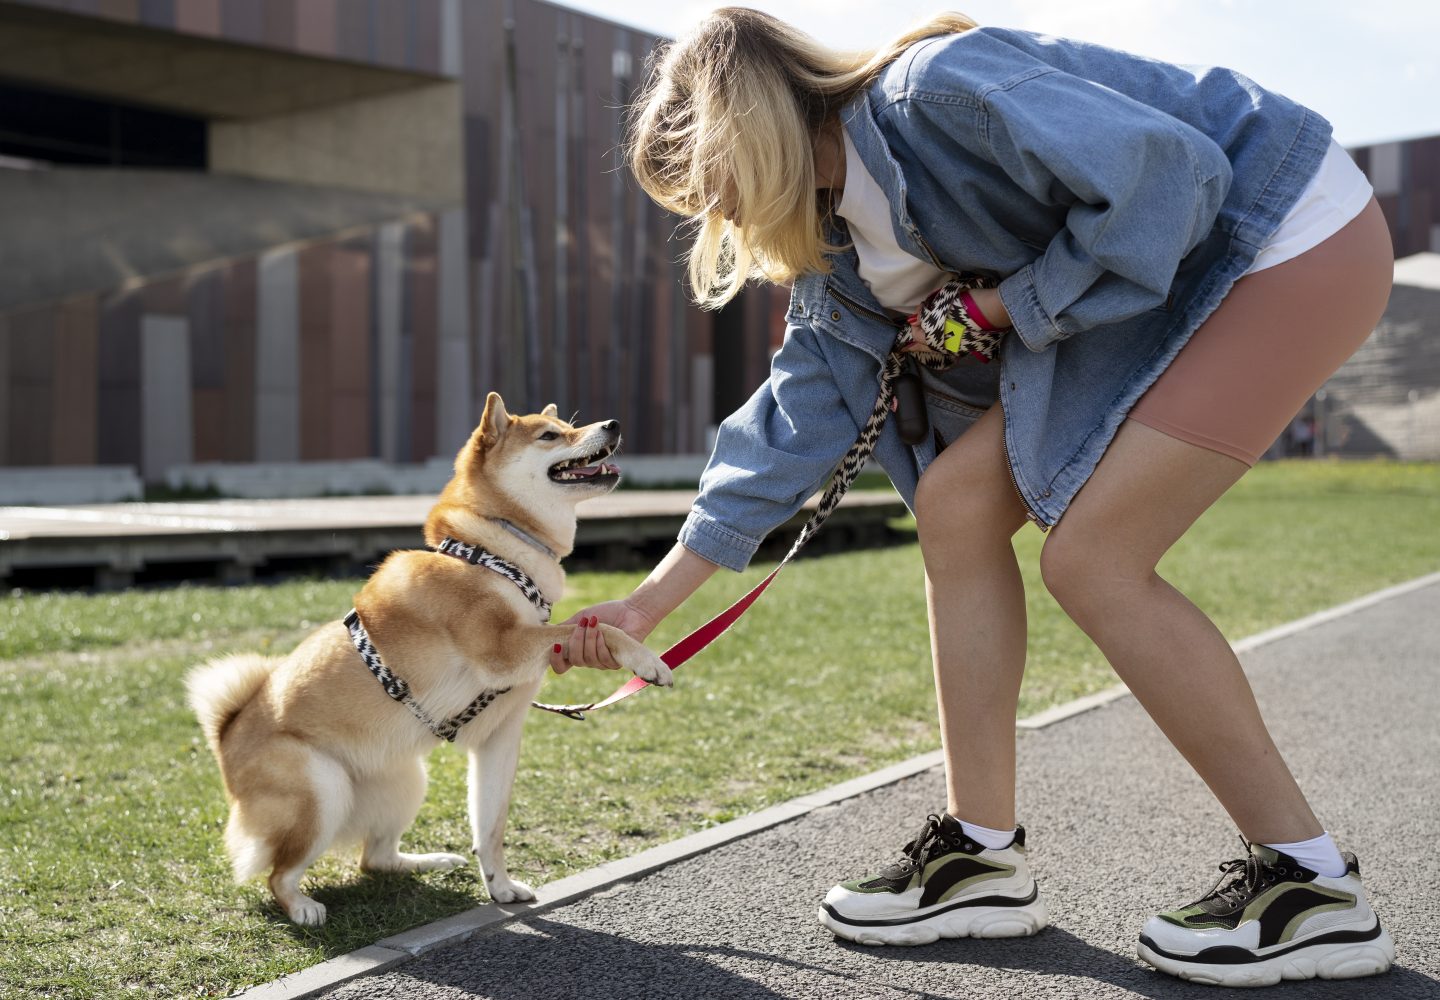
x,y
1268,918
944,885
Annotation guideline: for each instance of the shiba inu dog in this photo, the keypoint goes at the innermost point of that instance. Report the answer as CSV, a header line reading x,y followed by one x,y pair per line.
x,y
315,749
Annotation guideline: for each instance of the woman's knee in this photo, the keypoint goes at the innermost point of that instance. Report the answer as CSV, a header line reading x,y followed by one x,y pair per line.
x,y
958,503
1084,570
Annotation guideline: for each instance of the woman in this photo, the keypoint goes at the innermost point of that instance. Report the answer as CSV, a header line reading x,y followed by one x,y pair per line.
x,y
1182,258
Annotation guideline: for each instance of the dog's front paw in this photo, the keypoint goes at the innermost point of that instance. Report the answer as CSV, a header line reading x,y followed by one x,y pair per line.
x,y
306,912
506,890
645,664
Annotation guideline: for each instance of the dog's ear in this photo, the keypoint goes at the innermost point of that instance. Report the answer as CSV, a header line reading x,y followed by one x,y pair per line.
x,y
550,411
493,421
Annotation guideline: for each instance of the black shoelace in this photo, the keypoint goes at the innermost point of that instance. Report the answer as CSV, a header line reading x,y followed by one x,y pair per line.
x,y
915,854
1241,878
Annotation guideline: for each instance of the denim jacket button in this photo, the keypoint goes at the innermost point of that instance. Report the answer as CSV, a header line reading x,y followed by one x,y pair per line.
x,y
835,315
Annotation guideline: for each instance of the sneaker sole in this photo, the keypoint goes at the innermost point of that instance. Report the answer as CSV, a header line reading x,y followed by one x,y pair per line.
x,y
1333,959
957,921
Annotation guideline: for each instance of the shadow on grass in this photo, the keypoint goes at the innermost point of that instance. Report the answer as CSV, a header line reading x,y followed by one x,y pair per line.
x,y
371,906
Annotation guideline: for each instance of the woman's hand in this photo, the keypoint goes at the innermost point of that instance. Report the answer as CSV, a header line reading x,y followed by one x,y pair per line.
x,y
678,576
967,321
586,647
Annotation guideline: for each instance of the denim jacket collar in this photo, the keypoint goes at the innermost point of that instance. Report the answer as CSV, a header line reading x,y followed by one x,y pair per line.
x,y
859,123
840,303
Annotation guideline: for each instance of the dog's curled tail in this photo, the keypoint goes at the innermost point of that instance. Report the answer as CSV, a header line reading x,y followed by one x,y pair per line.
x,y
218,690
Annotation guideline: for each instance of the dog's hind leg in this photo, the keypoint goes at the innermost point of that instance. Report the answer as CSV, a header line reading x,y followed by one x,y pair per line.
x,y
492,775
302,822
386,805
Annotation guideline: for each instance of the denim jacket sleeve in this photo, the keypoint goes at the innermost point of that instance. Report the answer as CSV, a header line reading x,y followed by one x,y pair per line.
x,y
1139,190
772,453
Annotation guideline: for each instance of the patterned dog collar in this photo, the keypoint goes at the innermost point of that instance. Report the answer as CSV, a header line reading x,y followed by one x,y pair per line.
x,y
477,556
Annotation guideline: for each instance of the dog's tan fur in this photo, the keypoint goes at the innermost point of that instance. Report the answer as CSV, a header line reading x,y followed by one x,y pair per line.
x,y
312,750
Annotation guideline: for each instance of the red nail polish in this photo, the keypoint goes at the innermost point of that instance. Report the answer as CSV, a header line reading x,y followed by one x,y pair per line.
x,y
557,647
594,620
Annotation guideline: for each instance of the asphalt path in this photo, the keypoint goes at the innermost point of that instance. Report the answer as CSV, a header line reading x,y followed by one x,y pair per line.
x,y
1119,829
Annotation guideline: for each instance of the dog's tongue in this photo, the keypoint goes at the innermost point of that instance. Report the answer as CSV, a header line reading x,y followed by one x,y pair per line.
x,y
604,468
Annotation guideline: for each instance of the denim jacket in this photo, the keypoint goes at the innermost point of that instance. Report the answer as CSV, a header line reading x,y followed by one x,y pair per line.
x,y
1115,198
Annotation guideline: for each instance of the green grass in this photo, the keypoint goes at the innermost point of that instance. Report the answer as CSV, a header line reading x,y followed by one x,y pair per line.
x,y
112,881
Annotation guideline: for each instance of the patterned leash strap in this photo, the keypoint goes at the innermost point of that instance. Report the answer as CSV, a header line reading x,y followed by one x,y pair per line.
x,y
838,486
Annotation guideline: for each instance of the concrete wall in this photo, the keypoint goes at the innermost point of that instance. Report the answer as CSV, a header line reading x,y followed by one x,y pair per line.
x,y
405,143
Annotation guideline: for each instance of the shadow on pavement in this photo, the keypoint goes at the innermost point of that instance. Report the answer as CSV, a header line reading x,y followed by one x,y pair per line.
x,y
1057,952
561,961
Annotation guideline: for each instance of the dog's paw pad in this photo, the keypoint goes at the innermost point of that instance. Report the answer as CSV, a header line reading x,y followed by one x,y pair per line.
x,y
510,891
308,913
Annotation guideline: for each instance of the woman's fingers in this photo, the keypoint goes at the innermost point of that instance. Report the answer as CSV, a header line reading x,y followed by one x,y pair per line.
x,y
559,658
917,338
594,643
607,659
586,646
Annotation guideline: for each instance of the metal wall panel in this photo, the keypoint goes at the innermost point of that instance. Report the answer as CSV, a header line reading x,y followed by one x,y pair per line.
x,y
277,358
455,404
5,392
317,330
315,27
421,319
387,319
165,417
73,414
201,17
118,436
240,305
350,413
32,382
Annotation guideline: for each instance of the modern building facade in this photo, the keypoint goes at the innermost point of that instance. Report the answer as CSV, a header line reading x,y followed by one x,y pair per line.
x,y
1385,401
1406,178
288,230
259,231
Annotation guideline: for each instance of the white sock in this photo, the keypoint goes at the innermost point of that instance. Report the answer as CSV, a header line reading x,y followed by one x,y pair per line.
x,y
986,837
1318,854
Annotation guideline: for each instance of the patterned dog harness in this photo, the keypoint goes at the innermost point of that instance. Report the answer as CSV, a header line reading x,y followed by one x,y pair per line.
x,y
395,686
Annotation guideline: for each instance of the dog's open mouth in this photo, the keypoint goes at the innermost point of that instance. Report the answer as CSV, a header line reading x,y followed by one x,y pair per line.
x,y
586,469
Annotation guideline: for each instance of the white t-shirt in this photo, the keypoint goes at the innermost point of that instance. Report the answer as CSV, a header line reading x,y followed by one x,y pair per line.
x,y
900,281
897,280
1335,195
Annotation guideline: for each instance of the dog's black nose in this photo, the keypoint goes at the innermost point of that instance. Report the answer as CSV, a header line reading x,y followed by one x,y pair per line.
x,y
611,425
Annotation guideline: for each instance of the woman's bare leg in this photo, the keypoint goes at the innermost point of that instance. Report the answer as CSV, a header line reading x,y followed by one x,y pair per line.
x,y
966,510
1100,561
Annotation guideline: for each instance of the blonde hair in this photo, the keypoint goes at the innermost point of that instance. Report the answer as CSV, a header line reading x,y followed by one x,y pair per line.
x,y
728,119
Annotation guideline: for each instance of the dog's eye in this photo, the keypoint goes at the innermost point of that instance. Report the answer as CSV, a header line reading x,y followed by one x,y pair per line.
x,y
549,436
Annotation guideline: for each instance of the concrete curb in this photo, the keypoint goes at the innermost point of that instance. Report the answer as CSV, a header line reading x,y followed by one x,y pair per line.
x,y
402,947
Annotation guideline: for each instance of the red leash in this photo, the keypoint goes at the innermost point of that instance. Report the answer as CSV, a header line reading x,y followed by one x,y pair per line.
x,y
678,653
